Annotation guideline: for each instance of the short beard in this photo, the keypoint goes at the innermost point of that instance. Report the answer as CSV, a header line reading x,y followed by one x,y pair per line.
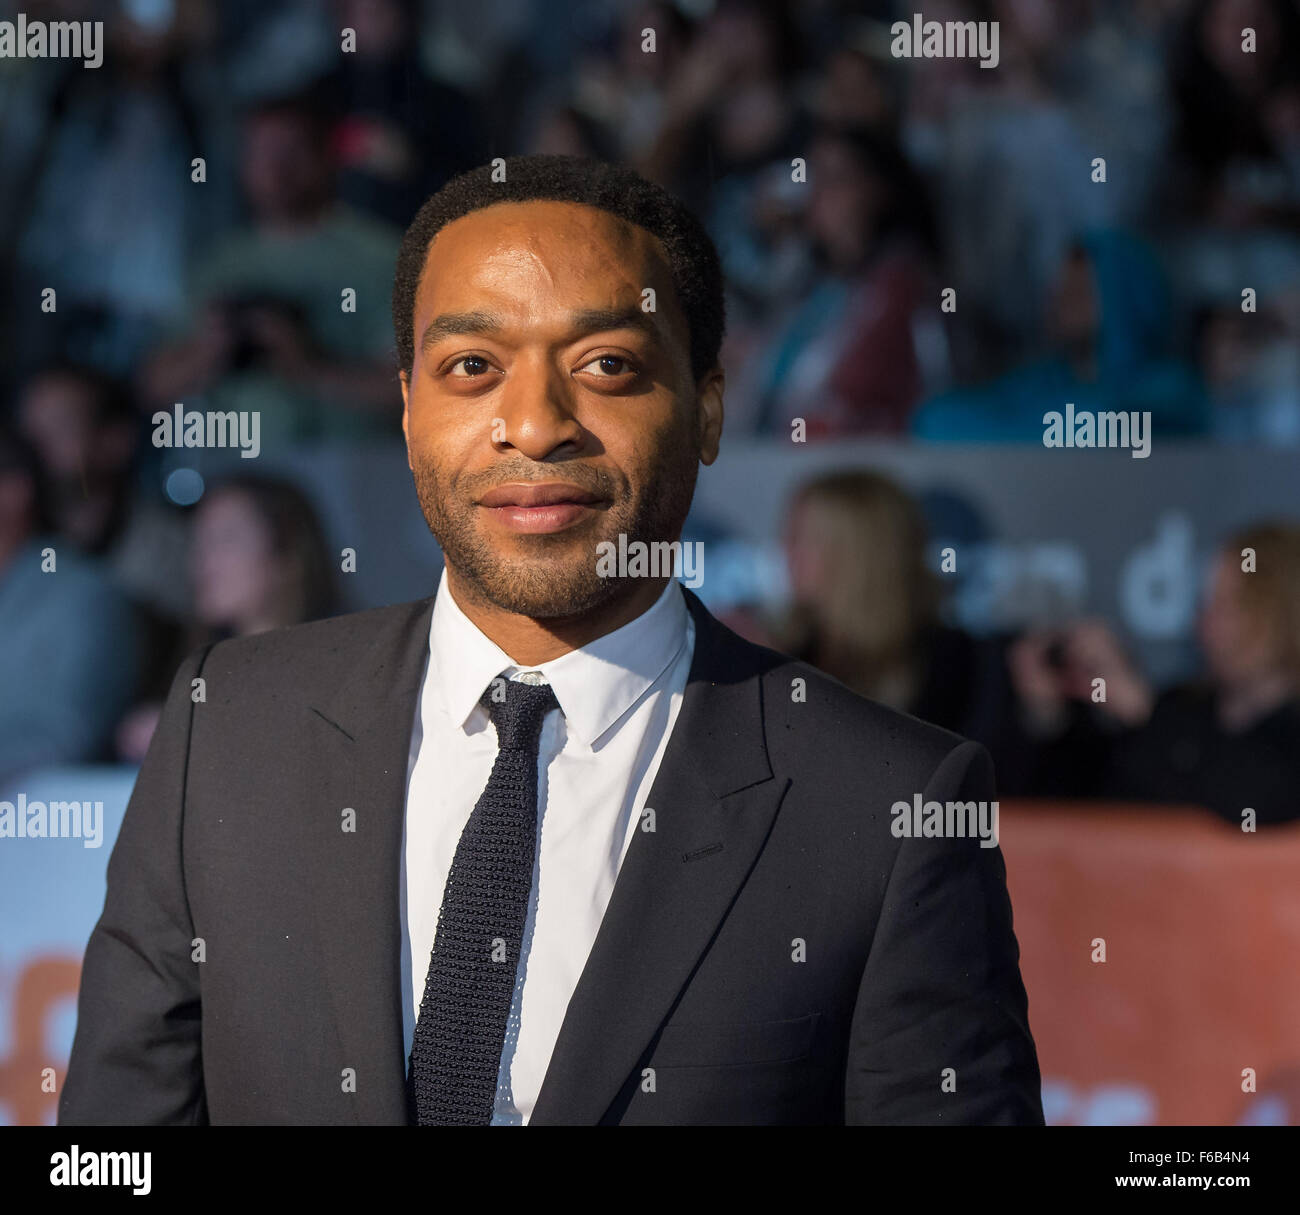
x,y
558,577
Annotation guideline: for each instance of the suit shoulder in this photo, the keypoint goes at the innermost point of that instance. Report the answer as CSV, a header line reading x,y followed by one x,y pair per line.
x,y
318,651
811,714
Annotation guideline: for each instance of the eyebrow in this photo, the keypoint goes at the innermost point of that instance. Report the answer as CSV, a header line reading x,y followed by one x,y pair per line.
x,y
588,321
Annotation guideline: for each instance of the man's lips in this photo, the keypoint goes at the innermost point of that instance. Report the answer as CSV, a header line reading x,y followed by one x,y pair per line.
x,y
547,493
538,508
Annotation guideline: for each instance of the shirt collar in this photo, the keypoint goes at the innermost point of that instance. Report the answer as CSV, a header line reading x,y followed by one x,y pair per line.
x,y
595,685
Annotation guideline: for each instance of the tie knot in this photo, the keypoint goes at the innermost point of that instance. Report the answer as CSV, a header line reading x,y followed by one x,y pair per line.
x,y
517,709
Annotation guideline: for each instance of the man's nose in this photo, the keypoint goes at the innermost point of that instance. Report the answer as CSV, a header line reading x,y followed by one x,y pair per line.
x,y
538,416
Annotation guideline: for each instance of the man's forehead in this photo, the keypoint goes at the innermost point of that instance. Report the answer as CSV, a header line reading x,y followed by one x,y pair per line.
x,y
556,237
545,262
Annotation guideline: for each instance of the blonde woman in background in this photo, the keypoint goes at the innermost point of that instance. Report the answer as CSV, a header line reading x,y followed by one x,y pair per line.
x,y
864,607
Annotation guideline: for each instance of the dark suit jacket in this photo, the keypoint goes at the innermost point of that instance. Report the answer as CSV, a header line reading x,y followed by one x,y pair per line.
x,y
698,1002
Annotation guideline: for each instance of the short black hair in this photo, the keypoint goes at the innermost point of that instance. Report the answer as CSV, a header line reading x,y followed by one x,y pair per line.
x,y
692,257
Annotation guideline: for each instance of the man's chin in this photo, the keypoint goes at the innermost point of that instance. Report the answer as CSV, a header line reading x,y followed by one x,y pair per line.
x,y
541,601
547,583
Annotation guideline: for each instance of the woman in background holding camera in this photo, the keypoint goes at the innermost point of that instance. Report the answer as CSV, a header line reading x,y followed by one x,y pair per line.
x,y
1229,742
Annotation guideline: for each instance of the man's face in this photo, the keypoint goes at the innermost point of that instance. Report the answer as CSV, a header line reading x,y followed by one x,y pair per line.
x,y
546,410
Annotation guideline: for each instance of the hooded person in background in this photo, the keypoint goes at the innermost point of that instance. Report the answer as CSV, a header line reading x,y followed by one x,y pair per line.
x,y
1110,323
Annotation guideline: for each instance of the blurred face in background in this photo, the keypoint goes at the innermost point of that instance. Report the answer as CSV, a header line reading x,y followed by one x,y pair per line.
x,y
286,168
742,41
1220,37
634,62
847,200
853,551
59,417
853,91
1075,315
381,26
1239,645
86,457
806,552
238,577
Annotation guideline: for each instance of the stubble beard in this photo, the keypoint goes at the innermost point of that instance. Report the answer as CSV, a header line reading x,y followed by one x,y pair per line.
x,y
553,576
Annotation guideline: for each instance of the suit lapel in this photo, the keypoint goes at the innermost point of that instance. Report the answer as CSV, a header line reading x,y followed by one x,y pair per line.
x,y
714,800
357,748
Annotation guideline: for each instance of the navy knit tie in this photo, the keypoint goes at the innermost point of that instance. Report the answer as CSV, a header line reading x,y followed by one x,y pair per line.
x,y
459,1034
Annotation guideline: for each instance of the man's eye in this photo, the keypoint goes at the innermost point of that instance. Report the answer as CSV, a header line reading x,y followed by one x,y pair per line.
x,y
609,365
471,365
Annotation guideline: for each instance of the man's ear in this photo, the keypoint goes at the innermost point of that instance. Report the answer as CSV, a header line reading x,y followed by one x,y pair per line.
x,y
405,378
708,413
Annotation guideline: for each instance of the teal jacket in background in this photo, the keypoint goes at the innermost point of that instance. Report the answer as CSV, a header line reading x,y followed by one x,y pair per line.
x,y
1134,369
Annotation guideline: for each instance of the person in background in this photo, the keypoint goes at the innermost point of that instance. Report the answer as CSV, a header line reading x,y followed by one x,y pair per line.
x,y
854,87
1231,741
69,648
1250,363
1237,115
84,427
258,562
259,559
396,134
727,109
99,200
845,357
81,423
270,330
620,85
730,125
1110,318
865,608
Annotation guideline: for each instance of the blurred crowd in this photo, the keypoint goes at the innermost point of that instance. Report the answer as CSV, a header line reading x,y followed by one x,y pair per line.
x,y
917,249
1065,711
197,199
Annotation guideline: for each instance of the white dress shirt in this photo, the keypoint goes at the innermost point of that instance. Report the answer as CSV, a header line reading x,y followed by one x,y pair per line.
x,y
598,756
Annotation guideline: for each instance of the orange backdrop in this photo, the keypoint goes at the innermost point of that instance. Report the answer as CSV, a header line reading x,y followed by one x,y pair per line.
x,y
1201,924
1201,979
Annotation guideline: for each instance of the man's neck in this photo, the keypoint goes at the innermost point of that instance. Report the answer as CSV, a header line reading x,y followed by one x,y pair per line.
x,y
530,641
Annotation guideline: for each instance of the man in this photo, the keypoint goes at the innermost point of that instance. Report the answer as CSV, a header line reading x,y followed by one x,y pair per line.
x,y
646,871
